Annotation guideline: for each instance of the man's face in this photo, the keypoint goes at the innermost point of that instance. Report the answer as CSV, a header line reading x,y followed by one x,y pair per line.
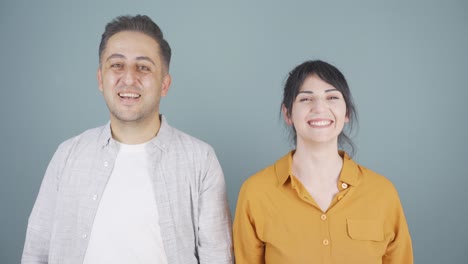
x,y
132,78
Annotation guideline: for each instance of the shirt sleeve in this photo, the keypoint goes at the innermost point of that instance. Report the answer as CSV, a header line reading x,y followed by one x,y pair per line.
x,y
248,248
399,250
38,233
214,230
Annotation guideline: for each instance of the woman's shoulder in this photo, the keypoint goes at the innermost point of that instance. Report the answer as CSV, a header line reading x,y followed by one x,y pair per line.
x,y
264,176
269,177
369,178
372,175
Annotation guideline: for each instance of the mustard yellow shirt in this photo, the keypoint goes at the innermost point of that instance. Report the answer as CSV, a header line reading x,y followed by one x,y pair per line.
x,y
278,222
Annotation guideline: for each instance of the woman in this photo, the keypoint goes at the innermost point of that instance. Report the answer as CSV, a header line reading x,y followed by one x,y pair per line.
x,y
316,205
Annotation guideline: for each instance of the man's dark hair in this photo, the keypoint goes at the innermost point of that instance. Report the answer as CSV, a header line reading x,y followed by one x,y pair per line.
x,y
138,23
329,74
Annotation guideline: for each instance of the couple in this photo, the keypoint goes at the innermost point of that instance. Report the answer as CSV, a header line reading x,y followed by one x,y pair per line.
x,y
140,191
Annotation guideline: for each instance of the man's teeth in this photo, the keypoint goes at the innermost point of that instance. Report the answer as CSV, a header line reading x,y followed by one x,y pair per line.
x,y
129,95
320,123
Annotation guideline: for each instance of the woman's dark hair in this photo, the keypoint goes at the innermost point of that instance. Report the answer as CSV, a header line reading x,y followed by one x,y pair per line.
x,y
331,75
138,23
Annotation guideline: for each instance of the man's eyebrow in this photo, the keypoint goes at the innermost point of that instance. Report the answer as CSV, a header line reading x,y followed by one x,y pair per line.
x,y
120,56
146,59
115,55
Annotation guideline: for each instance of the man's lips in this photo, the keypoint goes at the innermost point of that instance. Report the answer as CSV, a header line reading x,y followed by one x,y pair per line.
x,y
128,95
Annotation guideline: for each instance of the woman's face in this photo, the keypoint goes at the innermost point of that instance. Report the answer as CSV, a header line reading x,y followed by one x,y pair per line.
x,y
318,112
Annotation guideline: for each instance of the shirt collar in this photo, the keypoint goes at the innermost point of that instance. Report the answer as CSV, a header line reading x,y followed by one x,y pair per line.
x,y
161,141
164,136
350,173
283,168
106,136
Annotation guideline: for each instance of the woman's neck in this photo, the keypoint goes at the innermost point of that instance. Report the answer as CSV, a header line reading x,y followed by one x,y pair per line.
x,y
318,169
317,161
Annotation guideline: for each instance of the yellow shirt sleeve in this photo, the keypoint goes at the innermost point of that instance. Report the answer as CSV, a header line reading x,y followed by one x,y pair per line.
x,y
399,250
248,247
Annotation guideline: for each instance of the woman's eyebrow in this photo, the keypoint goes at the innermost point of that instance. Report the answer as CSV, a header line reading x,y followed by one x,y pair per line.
x,y
327,91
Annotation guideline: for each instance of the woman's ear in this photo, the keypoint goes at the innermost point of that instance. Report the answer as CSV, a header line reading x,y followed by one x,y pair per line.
x,y
286,117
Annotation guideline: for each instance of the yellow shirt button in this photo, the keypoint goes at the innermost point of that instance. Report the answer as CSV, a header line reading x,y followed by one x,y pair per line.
x,y
344,185
323,217
340,197
325,242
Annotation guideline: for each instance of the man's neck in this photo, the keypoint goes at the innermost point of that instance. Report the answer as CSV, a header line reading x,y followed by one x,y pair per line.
x,y
135,132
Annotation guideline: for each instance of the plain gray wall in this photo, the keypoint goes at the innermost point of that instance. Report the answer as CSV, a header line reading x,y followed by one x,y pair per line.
x,y
405,61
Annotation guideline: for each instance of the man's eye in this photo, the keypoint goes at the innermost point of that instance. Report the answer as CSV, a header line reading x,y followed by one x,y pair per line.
x,y
116,66
304,99
143,68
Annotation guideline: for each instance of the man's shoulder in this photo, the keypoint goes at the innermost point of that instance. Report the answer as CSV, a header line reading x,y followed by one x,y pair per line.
x,y
89,137
188,142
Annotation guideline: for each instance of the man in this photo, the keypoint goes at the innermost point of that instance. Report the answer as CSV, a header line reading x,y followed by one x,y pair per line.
x,y
135,190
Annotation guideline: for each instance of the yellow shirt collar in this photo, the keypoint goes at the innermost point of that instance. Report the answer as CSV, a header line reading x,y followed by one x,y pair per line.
x,y
350,173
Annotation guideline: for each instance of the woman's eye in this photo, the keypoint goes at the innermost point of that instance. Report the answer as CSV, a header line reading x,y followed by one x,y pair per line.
x,y
334,98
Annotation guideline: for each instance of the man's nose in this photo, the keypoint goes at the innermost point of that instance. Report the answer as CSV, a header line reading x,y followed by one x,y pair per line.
x,y
130,76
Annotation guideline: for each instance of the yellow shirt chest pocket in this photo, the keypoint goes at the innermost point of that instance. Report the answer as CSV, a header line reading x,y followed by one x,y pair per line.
x,y
366,237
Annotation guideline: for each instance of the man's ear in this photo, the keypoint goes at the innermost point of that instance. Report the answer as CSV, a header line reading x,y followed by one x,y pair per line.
x,y
99,79
286,117
166,84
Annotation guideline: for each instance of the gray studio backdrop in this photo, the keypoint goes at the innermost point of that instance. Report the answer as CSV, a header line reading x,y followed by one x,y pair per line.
x,y
406,63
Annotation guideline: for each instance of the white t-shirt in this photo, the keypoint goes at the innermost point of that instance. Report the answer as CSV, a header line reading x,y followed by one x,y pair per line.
x,y
126,227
